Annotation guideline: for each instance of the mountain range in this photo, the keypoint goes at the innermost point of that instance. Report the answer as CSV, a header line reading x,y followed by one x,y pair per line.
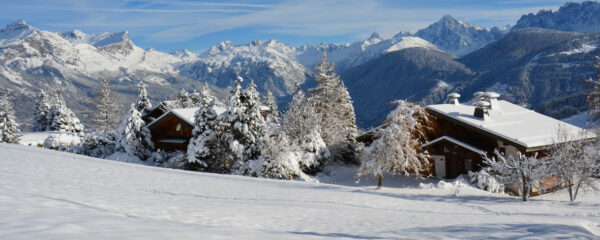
x,y
541,62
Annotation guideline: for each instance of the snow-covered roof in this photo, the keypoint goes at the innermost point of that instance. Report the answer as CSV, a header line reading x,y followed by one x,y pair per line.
x,y
173,140
457,142
514,123
186,114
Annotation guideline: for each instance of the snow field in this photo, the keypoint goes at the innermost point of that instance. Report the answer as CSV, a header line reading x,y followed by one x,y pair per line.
x,y
46,194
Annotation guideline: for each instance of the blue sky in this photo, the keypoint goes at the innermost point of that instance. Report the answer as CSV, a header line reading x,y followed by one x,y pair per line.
x,y
196,25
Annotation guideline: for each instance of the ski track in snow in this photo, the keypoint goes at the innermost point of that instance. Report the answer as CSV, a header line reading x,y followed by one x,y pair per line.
x,y
46,194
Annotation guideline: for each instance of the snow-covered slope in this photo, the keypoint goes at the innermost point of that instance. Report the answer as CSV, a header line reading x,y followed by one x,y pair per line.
x,y
54,195
577,17
458,36
346,56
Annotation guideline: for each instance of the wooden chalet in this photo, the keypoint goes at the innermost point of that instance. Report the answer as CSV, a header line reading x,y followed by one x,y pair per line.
x,y
465,134
173,130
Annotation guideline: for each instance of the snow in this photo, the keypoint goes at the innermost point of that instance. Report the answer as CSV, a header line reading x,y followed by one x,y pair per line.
x,y
38,138
187,114
411,42
579,120
457,142
54,195
515,123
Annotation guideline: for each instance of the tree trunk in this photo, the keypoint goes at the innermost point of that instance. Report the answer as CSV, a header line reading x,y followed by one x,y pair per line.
x,y
570,189
380,183
525,188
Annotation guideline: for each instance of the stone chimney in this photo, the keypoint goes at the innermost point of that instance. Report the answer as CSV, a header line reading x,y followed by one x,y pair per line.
x,y
481,109
492,97
453,98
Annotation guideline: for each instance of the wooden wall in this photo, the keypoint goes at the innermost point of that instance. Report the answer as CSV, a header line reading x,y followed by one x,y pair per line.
x,y
166,129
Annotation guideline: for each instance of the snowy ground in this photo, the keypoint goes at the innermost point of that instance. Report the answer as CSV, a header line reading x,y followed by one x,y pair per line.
x,y
46,194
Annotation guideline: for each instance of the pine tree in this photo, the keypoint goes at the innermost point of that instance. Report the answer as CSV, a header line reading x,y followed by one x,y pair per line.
x,y
305,136
184,100
143,104
277,160
42,106
245,127
207,144
273,114
133,135
396,148
333,104
61,118
8,126
106,115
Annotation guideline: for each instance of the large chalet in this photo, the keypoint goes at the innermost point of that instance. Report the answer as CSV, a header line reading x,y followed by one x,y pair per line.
x,y
466,133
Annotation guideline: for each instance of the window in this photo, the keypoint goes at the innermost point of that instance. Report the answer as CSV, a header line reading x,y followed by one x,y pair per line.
x,y
178,127
468,164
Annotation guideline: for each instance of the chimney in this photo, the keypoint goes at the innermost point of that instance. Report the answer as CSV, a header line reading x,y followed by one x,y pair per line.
x,y
492,97
453,98
481,109
478,96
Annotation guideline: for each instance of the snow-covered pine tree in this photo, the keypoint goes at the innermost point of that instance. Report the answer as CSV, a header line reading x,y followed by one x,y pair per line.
x,y
184,100
333,104
61,118
247,126
143,104
522,171
207,145
133,135
305,136
42,107
8,126
573,162
277,160
273,114
243,125
396,148
107,109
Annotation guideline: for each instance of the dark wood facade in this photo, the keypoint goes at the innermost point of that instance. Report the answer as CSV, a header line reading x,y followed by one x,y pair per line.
x,y
458,159
170,133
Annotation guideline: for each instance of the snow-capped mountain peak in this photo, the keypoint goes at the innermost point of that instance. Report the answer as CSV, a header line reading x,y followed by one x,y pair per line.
x,y
96,40
185,54
458,36
572,16
16,26
375,36
15,32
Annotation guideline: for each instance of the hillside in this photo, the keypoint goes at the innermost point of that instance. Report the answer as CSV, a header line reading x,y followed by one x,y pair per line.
x,y
55,195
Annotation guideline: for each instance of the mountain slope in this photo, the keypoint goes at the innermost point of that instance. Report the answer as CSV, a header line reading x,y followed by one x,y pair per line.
x,y
544,69
415,74
32,60
458,37
577,17
270,64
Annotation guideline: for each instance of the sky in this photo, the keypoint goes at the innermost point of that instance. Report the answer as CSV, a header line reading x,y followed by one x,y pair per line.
x,y
168,25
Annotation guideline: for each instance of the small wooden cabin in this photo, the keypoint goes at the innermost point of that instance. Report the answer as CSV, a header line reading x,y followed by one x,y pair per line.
x,y
465,134
173,130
